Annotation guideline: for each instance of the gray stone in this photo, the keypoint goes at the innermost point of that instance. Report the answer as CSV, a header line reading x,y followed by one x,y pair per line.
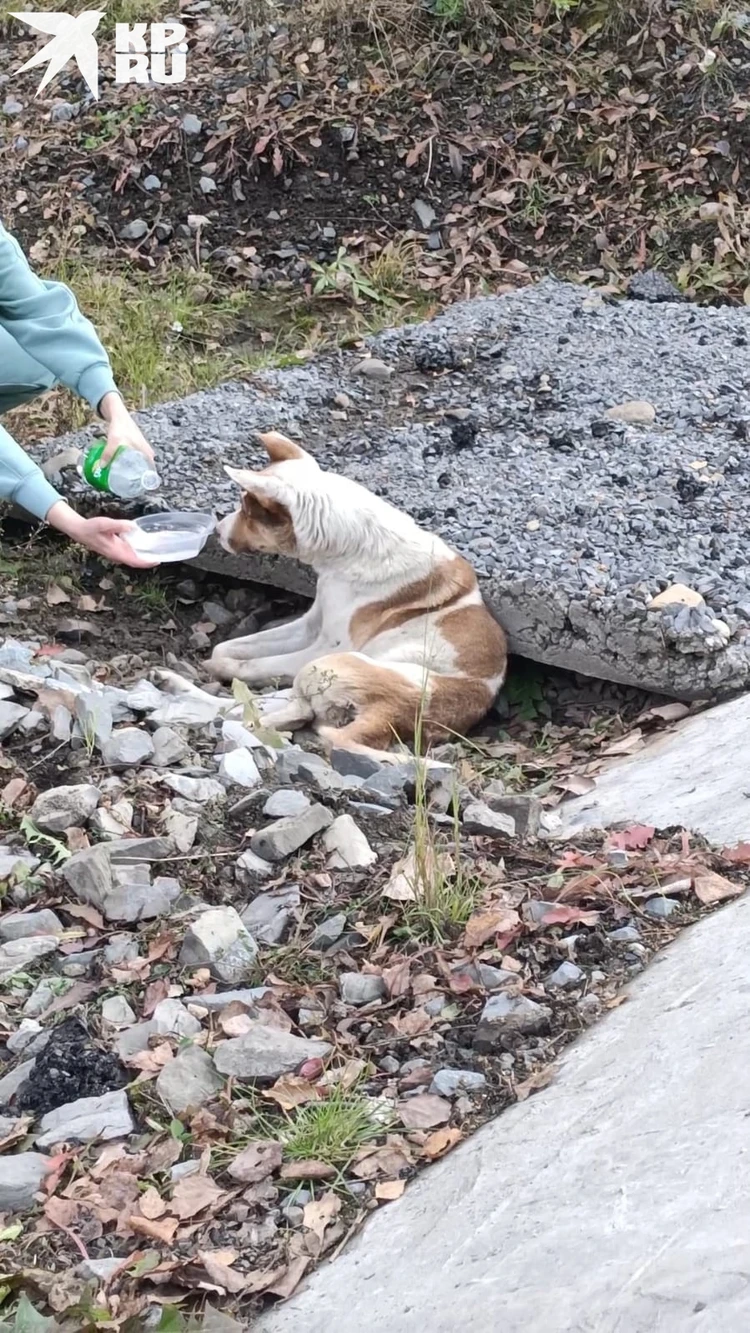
x,y
187,710
29,1039
625,935
11,859
199,790
16,926
135,230
328,932
11,1082
360,988
347,845
42,996
295,763
661,908
281,839
191,124
658,786
268,916
106,1117
218,940
117,1011
285,802
454,1082
61,808
172,1019
21,1176
388,787
131,1041
525,811
12,107
237,736
151,183
250,867
94,715
99,1270
119,888
565,976
127,748
181,828
265,1053
360,765
189,1081
169,748
220,999
480,819
509,1016
239,769
125,850
10,716
114,822
19,955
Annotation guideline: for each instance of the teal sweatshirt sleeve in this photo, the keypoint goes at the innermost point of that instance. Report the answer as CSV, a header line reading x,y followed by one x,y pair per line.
x,y
44,319
21,481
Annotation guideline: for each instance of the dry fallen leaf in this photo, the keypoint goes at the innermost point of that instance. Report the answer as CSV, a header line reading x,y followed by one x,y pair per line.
x,y
626,744
712,888
319,1213
631,839
389,1189
740,854
539,1080
163,1230
413,1023
483,926
307,1170
56,595
219,1271
387,1162
289,1091
423,1111
256,1161
291,1279
441,1142
83,912
194,1194
151,1204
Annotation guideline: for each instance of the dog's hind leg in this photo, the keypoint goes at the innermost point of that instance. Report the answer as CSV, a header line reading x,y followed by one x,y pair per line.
x,y
359,704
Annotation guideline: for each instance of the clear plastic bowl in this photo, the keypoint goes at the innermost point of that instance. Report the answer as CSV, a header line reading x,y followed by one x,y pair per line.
x,y
174,535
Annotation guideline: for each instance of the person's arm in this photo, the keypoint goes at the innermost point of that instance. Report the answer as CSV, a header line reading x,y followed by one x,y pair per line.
x,y
43,318
24,484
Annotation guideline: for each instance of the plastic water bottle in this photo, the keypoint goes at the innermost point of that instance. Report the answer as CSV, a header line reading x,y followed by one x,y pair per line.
x,y
127,475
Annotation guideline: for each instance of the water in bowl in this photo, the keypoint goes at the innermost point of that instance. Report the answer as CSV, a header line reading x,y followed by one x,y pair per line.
x,y
174,535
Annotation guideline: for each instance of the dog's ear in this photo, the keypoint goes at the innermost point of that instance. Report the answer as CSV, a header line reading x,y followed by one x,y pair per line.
x,y
280,449
271,493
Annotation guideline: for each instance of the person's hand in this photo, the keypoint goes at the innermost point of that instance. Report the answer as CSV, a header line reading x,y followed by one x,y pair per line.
x,y
103,535
121,429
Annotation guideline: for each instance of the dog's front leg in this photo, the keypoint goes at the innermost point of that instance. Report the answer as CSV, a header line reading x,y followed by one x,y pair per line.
x,y
277,642
279,669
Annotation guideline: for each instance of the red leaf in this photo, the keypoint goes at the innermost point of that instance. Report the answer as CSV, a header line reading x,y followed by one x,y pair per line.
x,y
739,854
631,839
563,916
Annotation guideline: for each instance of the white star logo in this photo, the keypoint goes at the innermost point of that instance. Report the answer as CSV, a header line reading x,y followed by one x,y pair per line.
x,y
73,39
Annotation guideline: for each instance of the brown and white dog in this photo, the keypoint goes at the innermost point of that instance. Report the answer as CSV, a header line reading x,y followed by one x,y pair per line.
x,y
398,640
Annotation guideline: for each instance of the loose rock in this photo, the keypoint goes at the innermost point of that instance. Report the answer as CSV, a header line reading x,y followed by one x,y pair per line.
x,y
106,1117
169,748
10,716
19,955
172,1019
268,916
266,1053
238,768
218,940
286,802
636,413
61,808
509,1016
566,976
453,1082
127,748
285,836
478,818
359,988
348,845
189,1081
17,926
21,1176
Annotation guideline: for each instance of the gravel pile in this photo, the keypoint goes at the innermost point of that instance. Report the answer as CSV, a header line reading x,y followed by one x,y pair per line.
x,y
586,455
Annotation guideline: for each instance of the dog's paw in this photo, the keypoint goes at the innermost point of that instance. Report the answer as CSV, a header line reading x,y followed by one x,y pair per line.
x,y
170,682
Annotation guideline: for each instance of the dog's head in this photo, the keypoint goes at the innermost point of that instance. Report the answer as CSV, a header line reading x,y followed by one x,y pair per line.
x,y
265,518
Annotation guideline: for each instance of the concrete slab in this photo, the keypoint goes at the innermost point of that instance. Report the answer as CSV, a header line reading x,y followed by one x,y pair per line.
x,y
696,776
615,1201
493,425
